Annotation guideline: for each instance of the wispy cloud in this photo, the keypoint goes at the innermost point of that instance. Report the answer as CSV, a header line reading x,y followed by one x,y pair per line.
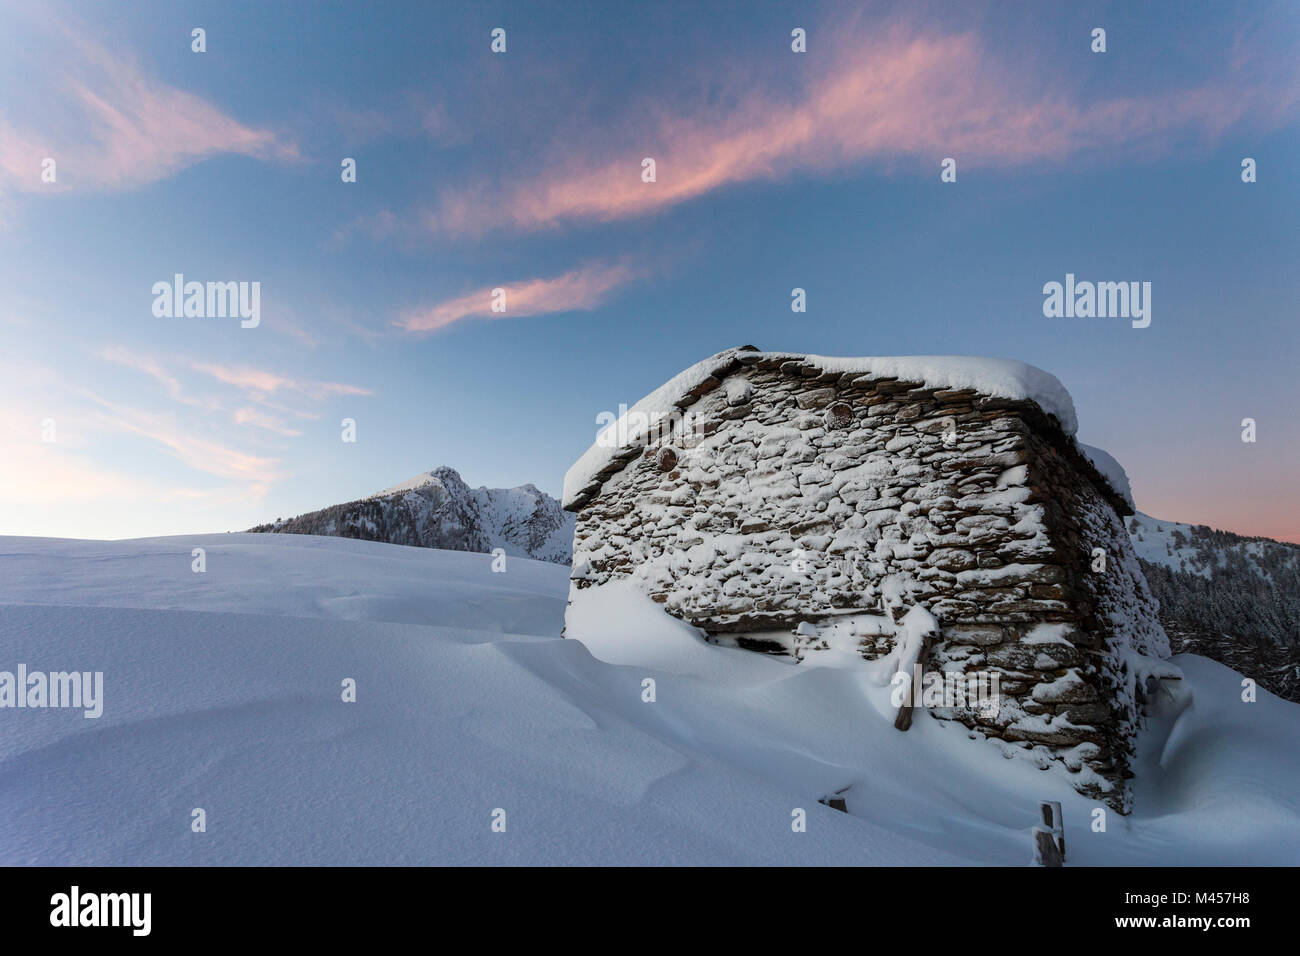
x,y
266,382
899,95
108,125
409,116
376,225
207,455
253,384
581,289
252,416
69,464
153,368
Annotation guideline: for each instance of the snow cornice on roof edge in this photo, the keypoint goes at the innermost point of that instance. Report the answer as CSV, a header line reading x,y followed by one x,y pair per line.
x,y
993,378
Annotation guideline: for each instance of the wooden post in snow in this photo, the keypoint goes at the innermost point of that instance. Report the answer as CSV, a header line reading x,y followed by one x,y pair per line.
x,y
904,718
1049,839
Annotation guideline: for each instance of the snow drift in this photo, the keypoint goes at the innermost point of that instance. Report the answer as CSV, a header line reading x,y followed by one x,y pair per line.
x,y
222,692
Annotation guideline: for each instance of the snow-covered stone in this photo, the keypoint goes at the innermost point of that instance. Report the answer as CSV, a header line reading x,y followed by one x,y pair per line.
x,y
993,377
840,490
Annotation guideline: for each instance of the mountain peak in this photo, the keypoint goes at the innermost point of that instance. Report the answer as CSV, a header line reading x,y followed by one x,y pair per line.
x,y
443,475
437,509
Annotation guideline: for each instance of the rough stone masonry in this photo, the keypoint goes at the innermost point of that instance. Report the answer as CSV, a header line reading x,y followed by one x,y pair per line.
x,y
800,501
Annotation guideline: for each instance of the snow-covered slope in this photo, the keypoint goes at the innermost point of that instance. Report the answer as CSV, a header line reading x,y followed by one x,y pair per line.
x,y
1200,550
436,509
222,692
1232,598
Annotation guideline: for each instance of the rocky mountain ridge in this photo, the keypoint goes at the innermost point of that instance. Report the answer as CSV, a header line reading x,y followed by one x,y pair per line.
x,y
1228,597
437,509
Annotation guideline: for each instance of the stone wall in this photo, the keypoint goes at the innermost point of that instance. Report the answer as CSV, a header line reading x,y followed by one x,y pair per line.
x,y
800,496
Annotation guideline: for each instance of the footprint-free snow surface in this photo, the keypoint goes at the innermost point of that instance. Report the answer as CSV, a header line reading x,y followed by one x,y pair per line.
x,y
222,690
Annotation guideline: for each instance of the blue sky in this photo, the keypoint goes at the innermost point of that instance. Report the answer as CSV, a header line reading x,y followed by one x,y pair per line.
x,y
522,170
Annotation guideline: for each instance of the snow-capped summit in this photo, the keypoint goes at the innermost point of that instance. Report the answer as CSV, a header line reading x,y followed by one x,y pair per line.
x,y
437,509
440,475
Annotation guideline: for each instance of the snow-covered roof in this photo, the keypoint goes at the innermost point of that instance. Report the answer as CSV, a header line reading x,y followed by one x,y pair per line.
x,y
998,378
1109,469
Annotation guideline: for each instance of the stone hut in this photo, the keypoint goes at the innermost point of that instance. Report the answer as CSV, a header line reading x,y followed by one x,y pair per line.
x,y
796,504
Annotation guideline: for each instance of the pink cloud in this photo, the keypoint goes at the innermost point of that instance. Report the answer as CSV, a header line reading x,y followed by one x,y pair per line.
x,y
252,416
201,454
109,126
259,380
581,289
154,369
257,385
83,417
902,95
45,480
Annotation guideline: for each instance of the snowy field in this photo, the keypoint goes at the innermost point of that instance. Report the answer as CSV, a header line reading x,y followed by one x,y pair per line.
x,y
222,691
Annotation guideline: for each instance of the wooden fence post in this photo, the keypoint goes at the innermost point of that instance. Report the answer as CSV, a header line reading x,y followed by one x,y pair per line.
x,y
1049,839
903,720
